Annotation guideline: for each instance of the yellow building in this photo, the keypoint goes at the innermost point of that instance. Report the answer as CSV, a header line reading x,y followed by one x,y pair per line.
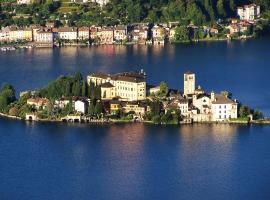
x,y
16,34
136,107
129,86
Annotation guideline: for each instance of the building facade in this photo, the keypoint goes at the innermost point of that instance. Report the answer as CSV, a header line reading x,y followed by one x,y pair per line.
x,y
249,12
129,86
189,83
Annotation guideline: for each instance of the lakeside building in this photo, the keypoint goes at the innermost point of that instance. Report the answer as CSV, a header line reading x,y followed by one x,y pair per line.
x,y
129,86
249,12
68,33
44,36
84,33
105,35
21,2
158,34
120,33
139,34
20,34
38,102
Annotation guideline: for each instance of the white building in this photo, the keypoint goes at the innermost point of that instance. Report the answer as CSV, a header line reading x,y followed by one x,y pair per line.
x,y
189,83
223,108
20,2
249,12
68,33
120,33
129,86
44,37
80,106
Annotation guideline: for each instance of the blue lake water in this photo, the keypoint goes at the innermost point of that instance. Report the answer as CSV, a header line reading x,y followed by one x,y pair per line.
x,y
137,161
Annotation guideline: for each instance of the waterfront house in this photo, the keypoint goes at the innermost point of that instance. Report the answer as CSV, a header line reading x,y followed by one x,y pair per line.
x,y
44,36
4,34
68,33
158,34
21,2
120,33
20,34
234,28
130,86
105,35
84,33
38,102
115,106
249,12
223,108
137,108
80,106
140,34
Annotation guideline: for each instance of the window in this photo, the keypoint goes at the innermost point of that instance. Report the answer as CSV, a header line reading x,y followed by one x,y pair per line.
x,y
219,116
224,116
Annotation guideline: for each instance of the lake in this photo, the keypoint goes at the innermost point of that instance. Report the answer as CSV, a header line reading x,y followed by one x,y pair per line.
x,y
140,161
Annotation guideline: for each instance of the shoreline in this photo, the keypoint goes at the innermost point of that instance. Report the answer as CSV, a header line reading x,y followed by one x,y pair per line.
x,y
31,45
103,122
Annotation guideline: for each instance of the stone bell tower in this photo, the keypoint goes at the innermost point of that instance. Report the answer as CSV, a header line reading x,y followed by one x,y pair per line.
x,y
189,83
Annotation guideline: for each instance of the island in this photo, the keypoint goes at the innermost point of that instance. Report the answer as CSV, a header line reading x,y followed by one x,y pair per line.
x,y
124,97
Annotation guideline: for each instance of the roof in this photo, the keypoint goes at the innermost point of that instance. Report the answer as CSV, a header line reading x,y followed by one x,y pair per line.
x,y
67,29
107,85
221,99
188,72
135,77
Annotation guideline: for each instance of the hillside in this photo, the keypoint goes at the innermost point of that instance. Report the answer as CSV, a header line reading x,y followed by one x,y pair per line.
x,y
198,12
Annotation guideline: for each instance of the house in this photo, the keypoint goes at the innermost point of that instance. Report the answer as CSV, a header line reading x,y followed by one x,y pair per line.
x,y
38,102
105,35
249,12
183,106
120,33
20,2
130,86
223,108
16,34
115,106
234,28
63,102
138,108
81,106
83,33
213,31
44,36
4,34
158,34
140,34
67,33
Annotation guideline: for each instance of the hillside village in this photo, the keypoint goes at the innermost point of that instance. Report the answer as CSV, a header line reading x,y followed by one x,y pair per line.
x,y
245,25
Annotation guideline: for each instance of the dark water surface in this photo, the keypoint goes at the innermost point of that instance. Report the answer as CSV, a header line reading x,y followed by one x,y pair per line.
x,y
242,67
137,161
133,161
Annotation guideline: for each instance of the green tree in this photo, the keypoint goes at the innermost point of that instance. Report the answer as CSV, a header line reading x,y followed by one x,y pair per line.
x,y
163,89
220,9
98,108
182,34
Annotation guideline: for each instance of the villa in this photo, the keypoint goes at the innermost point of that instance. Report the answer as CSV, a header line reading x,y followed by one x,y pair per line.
x,y
129,86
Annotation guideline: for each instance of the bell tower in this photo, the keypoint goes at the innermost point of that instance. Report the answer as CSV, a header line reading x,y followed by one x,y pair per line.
x,y
189,83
